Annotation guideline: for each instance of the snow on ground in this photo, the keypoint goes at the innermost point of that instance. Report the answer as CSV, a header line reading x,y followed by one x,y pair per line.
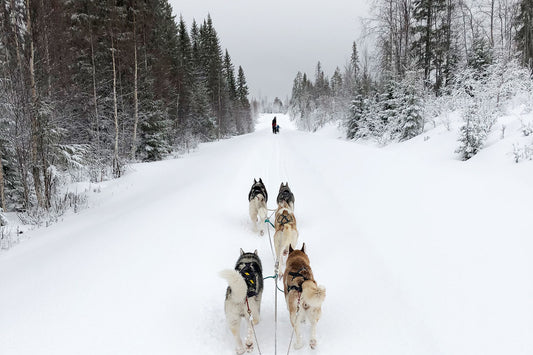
x,y
420,253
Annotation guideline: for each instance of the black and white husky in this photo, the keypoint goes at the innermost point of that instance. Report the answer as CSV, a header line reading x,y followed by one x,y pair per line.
x,y
243,294
258,198
285,194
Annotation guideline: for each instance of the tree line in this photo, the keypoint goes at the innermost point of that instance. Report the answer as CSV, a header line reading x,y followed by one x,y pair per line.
x,y
427,57
87,86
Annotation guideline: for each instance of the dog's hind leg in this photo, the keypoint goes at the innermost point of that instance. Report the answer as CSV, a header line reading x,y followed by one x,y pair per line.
x,y
255,309
235,327
252,209
296,320
278,244
262,213
314,314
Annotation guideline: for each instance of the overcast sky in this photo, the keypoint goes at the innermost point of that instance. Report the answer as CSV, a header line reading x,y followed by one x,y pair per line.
x,y
273,40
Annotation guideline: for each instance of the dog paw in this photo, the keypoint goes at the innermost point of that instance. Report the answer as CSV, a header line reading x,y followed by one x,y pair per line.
x,y
240,350
262,233
312,343
249,347
298,345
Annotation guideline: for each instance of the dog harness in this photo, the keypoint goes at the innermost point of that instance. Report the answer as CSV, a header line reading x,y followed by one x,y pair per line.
x,y
283,219
295,275
249,273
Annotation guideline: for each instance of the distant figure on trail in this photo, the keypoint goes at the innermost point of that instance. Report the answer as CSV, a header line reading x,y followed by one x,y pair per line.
x,y
277,129
274,125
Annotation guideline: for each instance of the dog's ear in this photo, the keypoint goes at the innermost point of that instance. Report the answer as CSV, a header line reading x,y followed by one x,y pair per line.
x,y
303,248
280,186
242,251
255,251
290,248
255,182
260,180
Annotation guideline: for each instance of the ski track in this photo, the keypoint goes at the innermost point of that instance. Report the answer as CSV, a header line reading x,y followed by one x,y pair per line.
x,y
137,273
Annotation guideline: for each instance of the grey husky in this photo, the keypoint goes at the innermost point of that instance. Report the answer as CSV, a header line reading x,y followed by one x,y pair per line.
x,y
258,198
285,194
243,295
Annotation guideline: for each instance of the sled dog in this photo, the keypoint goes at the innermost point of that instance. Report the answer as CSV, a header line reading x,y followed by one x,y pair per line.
x,y
286,233
285,194
243,293
303,295
258,198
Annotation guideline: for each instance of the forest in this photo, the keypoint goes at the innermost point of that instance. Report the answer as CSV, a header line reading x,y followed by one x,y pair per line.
x,y
87,87
422,59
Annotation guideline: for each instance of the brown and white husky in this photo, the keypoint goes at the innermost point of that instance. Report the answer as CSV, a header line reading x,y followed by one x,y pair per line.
x,y
303,295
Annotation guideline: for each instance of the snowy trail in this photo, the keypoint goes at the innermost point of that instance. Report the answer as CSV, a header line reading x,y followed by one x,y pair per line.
x,y
418,256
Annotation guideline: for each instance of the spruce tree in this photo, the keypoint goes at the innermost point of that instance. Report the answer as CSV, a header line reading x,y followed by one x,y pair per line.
x,y
231,87
154,129
480,56
337,83
185,77
242,98
473,133
211,59
356,117
354,61
410,115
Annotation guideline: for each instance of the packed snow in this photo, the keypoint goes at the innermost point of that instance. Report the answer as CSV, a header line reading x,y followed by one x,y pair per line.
x,y
420,252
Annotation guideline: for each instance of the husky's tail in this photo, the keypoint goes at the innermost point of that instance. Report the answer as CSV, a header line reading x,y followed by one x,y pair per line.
x,y
313,294
236,283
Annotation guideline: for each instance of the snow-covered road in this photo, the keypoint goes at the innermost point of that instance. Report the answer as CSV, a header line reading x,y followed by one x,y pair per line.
x,y
419,253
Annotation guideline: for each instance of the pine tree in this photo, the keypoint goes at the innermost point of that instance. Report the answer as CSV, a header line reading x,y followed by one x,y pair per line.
x,y
235,121
337,83
356,117
211,59
321,82
229,76
473,133
410,116
481,55
185,75
202,122
387,125
354,61
154,139
242,98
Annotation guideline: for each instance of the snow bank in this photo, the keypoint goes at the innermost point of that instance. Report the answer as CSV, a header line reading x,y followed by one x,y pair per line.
x,y
420,253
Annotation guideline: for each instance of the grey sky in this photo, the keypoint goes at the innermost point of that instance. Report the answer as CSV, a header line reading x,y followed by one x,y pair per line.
x,y
273,40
